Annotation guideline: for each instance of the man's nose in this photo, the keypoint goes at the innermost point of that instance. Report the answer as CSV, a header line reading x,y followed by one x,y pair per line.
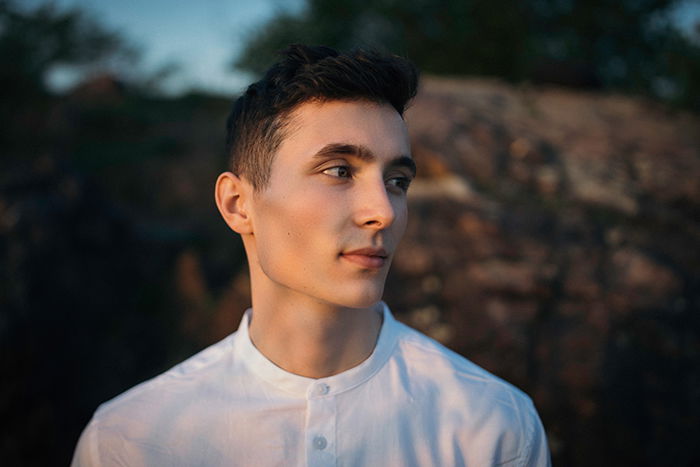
x,y
374,208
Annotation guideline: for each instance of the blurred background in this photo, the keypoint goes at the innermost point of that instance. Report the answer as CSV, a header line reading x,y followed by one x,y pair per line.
x,y
554,237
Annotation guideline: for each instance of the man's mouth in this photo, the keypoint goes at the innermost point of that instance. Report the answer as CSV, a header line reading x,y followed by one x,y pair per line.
x,y
369,258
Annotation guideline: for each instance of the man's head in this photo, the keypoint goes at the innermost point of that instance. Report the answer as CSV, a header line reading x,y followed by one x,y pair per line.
x,y
322,164
260,118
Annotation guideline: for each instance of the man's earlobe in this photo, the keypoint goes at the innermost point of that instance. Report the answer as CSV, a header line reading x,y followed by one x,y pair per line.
x,y
232,197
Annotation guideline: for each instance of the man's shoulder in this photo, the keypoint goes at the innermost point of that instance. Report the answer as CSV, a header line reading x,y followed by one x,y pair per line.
x,y
432,364
470,402
178,381
139,420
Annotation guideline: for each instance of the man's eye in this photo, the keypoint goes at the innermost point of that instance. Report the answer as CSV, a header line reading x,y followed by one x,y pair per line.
x,y
340,171
400,182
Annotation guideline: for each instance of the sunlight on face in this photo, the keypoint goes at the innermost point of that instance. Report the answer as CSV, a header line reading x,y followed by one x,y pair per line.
x,y
330,220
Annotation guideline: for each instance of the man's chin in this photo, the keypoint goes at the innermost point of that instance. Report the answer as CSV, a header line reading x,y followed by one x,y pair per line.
x,y
361,299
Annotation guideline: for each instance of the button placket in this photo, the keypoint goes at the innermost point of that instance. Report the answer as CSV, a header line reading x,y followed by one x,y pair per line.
x,y
320,426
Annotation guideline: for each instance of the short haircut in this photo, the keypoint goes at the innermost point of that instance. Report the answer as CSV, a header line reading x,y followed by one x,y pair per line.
x,y
258,120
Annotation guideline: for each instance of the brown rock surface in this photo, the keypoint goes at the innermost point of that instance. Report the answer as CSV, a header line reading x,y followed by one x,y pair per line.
x,y
561,233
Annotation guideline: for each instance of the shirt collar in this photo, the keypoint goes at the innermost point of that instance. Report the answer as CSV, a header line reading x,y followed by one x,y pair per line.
x,y
302,386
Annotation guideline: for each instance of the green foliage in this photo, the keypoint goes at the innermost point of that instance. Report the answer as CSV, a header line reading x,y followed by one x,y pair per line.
x,y
624,45
680,80
32,41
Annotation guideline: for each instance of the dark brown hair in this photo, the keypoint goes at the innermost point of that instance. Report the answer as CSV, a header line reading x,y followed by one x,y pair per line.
x,y
256,125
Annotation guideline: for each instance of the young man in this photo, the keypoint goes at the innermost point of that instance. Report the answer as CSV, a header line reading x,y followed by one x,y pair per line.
x,y
319,373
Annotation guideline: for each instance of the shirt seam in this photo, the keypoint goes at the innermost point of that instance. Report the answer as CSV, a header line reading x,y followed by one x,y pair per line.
x,y
158,380
528,428
94,446
479,375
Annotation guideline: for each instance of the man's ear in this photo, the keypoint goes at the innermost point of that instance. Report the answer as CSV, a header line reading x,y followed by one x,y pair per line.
x,y
233,196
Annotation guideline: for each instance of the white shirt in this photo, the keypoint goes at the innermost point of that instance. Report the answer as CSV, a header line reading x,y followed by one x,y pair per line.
x,y
413,402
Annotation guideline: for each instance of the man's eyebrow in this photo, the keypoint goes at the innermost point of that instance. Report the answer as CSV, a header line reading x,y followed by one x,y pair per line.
x,y
333,149
364,153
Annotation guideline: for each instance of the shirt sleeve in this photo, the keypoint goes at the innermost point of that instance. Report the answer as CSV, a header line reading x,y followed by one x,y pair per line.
x,y
537,451
85,454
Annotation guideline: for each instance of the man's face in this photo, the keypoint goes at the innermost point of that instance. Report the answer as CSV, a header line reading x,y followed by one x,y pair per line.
x,y
329,222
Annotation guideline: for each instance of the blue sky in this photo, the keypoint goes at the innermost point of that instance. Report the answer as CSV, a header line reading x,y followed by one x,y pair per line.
x,y
203,36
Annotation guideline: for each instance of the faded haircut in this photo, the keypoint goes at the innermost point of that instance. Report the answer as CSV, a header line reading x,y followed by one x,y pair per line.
x,y
258,120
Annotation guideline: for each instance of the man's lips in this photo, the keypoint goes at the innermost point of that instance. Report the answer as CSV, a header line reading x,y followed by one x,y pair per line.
x,y
370,258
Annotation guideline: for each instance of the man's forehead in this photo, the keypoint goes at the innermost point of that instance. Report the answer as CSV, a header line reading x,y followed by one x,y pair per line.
x,y
360,128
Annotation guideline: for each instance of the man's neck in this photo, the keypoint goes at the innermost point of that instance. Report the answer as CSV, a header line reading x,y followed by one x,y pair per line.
x,y
311,338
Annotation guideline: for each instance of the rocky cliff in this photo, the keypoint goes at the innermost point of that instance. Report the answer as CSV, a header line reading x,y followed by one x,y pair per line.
x,y
555,240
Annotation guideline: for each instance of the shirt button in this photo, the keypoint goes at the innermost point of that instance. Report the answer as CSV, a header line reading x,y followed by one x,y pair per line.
x,y
320,443
322,389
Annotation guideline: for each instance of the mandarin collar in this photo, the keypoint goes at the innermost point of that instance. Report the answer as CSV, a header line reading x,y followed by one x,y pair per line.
x,y
302,386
